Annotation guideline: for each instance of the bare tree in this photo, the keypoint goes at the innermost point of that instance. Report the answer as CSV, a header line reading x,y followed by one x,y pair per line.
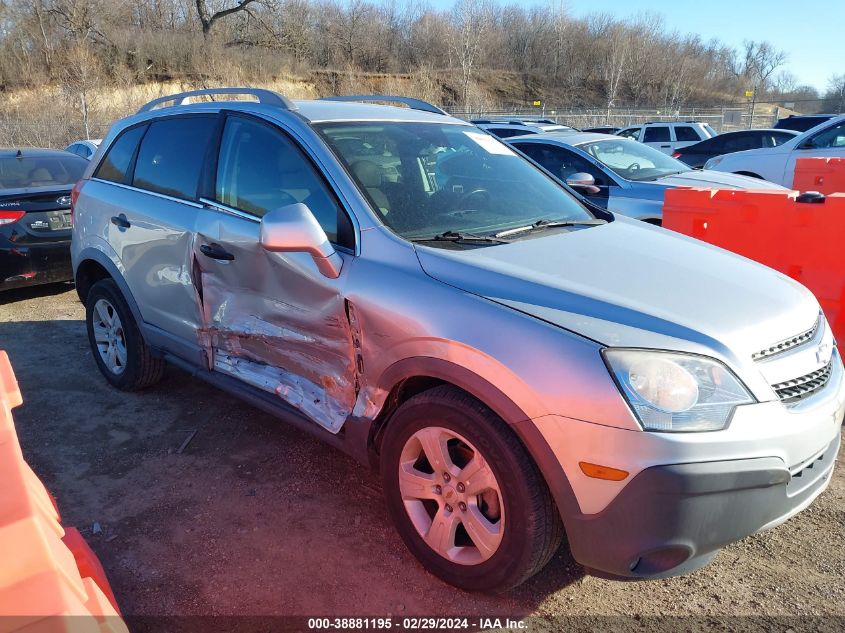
x,y
208,18
81,75
836,92
471,20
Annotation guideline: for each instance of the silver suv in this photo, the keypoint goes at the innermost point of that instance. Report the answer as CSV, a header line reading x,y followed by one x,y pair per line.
x,y
516,365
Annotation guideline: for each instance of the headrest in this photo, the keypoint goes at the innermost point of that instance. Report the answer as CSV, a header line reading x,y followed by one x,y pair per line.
x,y
368,173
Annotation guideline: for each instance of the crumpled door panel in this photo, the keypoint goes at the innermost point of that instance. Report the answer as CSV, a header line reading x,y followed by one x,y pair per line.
x,y
273,321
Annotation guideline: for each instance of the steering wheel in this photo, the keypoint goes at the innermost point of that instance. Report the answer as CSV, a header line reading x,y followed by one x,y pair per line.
x,y
634,167
482,195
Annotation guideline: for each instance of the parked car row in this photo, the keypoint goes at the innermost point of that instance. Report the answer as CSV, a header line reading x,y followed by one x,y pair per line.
x,y
515,362
699,146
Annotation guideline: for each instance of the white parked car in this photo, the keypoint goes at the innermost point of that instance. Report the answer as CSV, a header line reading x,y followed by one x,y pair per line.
x,y
85,148
668,136
777,164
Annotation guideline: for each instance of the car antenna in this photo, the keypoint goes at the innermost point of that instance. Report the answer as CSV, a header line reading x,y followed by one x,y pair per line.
x,y
19,155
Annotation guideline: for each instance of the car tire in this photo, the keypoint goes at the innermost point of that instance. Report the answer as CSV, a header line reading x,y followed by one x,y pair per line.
x,y
119,350
519,516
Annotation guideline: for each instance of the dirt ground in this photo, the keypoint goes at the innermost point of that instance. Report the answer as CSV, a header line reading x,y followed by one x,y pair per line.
x,y
255,517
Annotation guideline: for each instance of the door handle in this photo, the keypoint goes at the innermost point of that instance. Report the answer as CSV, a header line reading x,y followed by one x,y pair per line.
x,y
215,251
120,221
665,146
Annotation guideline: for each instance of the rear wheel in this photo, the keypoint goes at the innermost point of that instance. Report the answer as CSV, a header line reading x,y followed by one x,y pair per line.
x,y
119,350
464,494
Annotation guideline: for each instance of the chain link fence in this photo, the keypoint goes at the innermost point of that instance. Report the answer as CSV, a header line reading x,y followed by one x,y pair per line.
x,y
57,131
721,119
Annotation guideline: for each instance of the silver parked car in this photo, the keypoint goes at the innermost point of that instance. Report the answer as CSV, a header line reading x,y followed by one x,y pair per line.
x,y
621,174
515,365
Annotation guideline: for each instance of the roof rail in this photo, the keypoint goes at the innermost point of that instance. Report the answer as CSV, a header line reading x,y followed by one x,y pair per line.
x,y
267,97
414,104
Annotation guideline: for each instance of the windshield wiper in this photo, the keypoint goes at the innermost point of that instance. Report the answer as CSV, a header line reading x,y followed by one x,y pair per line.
x,y
459,236
549,224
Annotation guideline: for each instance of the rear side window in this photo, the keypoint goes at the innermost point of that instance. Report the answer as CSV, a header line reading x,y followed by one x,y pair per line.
x,y
117,159
171,156
261,169
656,134
507,132
629,133
686,133
740,142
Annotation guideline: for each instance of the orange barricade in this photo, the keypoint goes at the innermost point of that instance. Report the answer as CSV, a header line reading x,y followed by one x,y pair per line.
x,y
47,573
800,239
826,175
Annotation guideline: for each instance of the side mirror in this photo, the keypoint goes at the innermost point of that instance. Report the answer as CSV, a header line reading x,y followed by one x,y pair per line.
x,y
294,229
583,180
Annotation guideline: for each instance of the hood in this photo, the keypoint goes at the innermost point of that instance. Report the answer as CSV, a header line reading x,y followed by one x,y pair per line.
x,y
715,179
630,284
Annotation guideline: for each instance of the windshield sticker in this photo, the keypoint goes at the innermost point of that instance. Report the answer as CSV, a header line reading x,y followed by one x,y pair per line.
x,y
488,143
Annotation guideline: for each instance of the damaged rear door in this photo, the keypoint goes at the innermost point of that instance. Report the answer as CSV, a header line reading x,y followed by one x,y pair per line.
x,y
273,320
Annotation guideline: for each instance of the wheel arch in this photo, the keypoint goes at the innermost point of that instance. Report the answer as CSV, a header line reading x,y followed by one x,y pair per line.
x,y
93,266
411,376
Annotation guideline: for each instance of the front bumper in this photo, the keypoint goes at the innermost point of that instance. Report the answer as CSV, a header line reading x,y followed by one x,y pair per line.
x,y
33,264
688,494
672,519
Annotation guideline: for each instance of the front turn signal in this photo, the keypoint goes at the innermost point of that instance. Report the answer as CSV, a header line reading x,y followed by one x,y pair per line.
x,y
597,471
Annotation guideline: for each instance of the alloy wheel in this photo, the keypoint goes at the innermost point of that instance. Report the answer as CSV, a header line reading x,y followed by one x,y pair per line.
x,y
451,495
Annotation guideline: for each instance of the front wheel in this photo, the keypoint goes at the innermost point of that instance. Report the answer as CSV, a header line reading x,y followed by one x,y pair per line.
x,y
464,494
121,353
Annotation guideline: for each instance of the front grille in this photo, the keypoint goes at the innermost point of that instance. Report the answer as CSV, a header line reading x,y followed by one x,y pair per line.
x,y
791,391
788,344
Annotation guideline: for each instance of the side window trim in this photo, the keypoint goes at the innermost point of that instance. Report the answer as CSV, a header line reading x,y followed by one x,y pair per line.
x,y
297,143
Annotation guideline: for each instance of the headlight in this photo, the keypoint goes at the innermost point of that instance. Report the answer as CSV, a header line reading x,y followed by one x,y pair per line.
x,y
711,163
676,392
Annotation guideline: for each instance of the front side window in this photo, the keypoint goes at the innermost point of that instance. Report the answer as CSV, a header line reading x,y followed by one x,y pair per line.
x,y
632,160
656,134
171,156
426,179
831,137
118,157
261,169
561,162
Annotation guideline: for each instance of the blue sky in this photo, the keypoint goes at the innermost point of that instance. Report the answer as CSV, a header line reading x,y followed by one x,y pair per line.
x,y
810,33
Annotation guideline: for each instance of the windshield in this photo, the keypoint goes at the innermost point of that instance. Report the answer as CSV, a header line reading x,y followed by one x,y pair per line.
x,y
40,171
427,179
632,160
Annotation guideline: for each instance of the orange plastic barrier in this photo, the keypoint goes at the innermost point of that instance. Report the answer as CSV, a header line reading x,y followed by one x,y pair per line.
x,y
46,572
826,175
803,240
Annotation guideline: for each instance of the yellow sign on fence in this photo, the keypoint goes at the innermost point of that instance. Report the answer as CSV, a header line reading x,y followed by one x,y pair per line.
x,y
538,103
749,93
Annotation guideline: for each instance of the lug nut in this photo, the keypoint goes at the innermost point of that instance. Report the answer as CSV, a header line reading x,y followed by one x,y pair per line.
x,y
446,476
462,506
460,487
448,508
438,490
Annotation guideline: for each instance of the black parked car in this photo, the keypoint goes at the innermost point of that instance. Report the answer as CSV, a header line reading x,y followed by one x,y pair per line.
x,y
802,122
699,153
35,220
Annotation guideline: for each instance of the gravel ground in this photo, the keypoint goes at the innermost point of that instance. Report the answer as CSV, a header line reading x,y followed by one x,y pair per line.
x,y
257,518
